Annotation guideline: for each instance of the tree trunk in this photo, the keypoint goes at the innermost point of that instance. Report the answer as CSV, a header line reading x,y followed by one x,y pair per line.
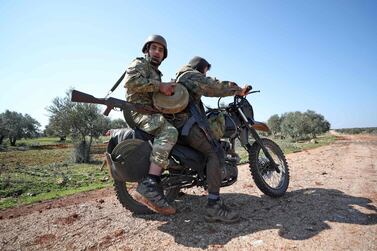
x,y
12,141
82,151
88,149
1,139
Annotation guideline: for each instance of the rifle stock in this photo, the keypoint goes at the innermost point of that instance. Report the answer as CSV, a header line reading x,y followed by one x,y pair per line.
x,y
82,97
111,103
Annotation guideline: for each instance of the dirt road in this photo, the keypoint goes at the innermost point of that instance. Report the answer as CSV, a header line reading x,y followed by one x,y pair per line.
x,y
331,204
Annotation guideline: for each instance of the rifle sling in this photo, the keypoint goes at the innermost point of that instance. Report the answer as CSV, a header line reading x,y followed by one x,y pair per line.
x,y
187,126
118,82
198,118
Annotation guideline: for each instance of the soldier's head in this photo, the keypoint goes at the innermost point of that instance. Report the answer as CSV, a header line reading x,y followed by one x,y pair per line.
x,y
200,64
156,49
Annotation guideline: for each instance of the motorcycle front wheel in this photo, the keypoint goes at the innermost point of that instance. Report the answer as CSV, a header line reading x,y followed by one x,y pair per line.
x,y
125,191
267,179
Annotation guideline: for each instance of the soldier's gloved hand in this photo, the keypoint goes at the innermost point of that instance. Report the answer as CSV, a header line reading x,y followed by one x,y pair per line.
x,y
245,90
167,88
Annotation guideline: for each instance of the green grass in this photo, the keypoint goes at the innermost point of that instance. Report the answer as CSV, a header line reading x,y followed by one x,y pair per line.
x,y
28,158
42,141
24,185
47,172
290,146
25,199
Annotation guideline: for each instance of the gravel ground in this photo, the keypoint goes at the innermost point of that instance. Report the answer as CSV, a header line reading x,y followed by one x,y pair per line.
x,y
331,204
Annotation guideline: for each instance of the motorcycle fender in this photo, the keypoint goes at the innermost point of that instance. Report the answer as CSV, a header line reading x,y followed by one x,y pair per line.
x,y
261,126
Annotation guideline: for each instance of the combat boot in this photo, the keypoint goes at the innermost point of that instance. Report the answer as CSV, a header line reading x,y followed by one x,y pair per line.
x,y
150,194
221,213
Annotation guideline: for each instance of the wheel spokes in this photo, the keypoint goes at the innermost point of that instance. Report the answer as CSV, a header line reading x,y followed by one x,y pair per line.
x,y
268,173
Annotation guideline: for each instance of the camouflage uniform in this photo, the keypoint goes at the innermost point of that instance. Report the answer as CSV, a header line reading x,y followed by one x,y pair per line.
x,y
141,80
199,85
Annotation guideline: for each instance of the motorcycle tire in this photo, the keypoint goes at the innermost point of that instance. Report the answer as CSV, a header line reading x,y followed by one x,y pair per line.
x,y
123,193
261,171
128,202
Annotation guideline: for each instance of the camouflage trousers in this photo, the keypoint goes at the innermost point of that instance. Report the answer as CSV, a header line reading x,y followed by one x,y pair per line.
x,y
165,136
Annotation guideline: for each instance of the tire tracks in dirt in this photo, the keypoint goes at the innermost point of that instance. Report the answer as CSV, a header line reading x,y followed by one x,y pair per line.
x,y
331,204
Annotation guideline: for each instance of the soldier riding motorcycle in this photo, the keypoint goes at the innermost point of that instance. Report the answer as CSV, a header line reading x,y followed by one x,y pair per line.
x,y
129,148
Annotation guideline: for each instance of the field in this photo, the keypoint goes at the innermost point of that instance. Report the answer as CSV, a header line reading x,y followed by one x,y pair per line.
x,y
41,169
291,147
331,203
360,130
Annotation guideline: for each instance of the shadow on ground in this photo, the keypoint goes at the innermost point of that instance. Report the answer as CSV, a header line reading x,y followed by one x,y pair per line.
x,y
298,215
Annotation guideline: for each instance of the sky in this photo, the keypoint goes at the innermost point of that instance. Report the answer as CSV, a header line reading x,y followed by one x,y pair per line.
x,y
319,55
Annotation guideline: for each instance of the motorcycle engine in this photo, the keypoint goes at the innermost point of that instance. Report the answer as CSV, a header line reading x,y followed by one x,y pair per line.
x,y
229,171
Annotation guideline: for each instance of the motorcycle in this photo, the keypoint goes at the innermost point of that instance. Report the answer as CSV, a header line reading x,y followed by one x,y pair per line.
x,y
267,163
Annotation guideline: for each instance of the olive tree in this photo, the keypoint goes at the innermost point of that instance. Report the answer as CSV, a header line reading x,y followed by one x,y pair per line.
x,y
299,125
15,126
317,123
83,122
274,123
295,125
3,130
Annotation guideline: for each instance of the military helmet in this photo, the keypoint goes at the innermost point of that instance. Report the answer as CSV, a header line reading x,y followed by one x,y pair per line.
x,y
156,39
199,63
172,104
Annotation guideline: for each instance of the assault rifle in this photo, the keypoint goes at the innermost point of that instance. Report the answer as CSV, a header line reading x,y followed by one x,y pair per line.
x,y
111,103
198,118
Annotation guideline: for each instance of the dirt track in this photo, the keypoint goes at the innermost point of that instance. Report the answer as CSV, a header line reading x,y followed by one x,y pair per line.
x,y
331,204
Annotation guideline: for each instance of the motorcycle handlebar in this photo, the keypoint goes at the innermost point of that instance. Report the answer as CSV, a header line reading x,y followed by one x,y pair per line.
x,y
237,97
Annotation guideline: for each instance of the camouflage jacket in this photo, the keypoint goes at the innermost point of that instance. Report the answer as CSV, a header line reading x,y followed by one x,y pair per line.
x,y
199,85
141,80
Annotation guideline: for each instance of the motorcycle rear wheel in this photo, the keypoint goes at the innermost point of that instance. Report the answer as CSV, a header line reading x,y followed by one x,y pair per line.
x,y
124,192
267,179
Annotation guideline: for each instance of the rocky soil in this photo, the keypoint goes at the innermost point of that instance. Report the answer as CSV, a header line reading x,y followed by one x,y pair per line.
x,y
331,204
